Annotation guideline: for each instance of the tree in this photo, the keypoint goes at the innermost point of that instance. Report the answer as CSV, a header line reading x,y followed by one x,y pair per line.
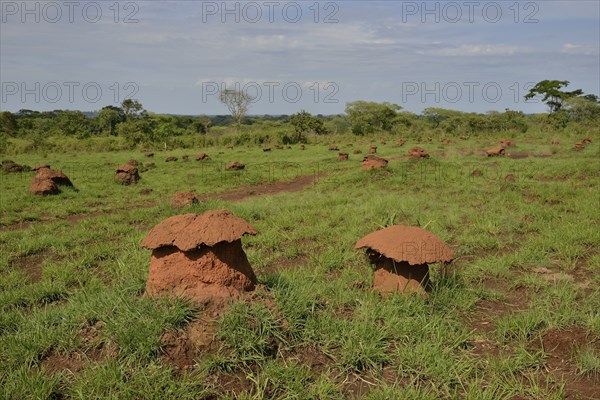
x,y
304,122
109,117
8,123
132,109
584,108
552,94
238,103
368,116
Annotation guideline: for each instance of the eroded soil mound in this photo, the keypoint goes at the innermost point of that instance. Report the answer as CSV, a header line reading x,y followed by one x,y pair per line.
x,y
42,186
47,181
373,150
56,176
333,147
234,166
202,156
184,199
342,156
171,159
373,162
127,174
11,166
418,152
200,274
496,151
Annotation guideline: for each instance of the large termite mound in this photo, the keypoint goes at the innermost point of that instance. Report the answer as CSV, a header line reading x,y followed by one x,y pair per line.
x,y
199,257
401,255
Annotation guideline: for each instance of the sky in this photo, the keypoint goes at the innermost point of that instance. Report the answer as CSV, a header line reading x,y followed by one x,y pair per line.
x,y
175,56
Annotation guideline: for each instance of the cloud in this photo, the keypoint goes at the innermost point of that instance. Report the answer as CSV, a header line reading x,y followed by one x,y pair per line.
x,y
477,50
587,50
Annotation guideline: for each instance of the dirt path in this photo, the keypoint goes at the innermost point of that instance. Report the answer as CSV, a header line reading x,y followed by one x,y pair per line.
x,y
263,189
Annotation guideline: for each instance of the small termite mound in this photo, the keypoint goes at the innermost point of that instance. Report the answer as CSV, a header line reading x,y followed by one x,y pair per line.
x,y
401,255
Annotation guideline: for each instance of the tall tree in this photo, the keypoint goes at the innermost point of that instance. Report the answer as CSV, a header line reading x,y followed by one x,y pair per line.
x,y
238,103
109,117
132,109
552,94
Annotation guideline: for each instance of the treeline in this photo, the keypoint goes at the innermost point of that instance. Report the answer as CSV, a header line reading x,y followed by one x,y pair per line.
x,y
131,125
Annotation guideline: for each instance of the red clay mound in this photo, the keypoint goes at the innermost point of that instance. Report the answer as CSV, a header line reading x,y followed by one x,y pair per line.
x,y
199,257
418,152
171,159
222,271
506,143
235,165
496,151
202,156
127,174
56,176
342,156
412,244
43,186
400,142
189,231
184,199
373,162
373,150
401,255
586,141
149,154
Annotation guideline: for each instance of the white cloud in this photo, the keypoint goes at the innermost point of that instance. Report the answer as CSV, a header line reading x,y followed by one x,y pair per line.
x,y
476,50
587,50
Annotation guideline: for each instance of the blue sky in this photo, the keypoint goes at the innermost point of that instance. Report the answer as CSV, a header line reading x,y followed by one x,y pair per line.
x,y
174,55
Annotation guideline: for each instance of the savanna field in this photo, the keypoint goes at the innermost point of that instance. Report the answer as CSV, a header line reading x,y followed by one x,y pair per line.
x,y
516,315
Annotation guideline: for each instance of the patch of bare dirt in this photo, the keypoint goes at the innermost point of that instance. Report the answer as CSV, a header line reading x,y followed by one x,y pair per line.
x,y
561,347
31,265
93,350
244,192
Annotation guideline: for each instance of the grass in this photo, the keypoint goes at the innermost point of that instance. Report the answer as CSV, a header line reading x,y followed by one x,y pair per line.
x,y
72,281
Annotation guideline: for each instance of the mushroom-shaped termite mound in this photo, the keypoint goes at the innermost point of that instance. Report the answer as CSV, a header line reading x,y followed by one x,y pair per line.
x,y
402,255
199,257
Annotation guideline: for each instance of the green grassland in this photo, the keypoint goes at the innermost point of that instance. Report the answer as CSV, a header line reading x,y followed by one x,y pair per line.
x,y
75,324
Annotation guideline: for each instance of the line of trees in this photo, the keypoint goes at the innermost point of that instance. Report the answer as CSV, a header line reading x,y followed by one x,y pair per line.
x,y
138,126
